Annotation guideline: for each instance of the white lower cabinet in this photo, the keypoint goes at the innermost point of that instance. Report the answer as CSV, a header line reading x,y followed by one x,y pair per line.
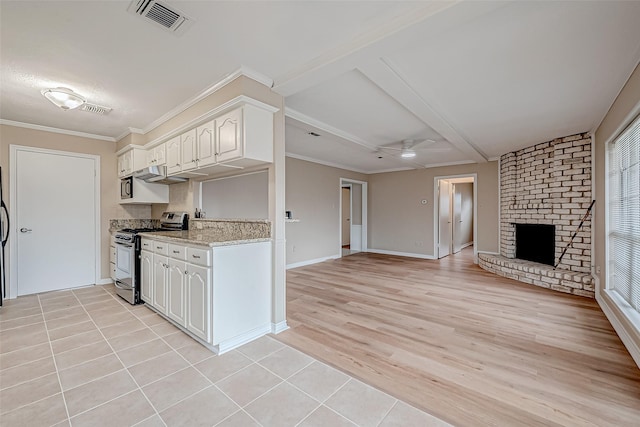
x,y
146,276
221,296
159,283
199,301
176,290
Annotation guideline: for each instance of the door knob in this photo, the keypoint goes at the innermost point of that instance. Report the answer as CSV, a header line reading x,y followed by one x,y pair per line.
x,y
25,230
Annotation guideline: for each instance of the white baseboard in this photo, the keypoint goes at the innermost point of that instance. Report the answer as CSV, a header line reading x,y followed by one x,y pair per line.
x,y
466,245
311,261
106,281
276,328
407,254
242,339
488,253
632,345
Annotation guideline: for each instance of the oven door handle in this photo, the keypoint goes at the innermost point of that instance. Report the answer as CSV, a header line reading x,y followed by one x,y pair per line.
x,y
126,245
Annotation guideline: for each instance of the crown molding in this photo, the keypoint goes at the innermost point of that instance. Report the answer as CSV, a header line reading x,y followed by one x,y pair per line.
x,y
56,130
232,103
296,115
439,165
324,163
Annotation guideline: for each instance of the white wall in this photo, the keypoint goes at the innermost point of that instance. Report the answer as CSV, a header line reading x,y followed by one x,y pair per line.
x,y
242,197
313,194
399,222
620,115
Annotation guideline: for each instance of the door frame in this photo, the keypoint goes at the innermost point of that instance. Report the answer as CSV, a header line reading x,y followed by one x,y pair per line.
x,y
436,211
350,187
345,182
13,248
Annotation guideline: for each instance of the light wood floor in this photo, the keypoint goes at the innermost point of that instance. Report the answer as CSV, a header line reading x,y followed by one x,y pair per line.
x,y
463,344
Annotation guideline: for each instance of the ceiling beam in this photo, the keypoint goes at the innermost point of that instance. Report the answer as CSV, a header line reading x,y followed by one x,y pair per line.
x,y
387,77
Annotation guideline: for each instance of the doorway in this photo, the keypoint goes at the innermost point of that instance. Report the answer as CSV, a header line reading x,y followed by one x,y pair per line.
x,y
455,213
353,217
55,205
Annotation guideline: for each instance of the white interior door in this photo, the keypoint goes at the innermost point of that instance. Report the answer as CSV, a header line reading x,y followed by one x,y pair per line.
x,y
457,220
444,218
55,221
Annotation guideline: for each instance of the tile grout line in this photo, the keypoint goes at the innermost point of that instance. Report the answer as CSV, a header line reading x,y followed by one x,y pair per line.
x,y
387,413
55,364
124,366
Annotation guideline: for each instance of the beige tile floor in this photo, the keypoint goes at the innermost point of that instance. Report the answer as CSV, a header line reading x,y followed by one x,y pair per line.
x,y
85,357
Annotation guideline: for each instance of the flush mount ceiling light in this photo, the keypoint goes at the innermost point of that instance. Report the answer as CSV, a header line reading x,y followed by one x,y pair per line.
x,y
64,98
407,153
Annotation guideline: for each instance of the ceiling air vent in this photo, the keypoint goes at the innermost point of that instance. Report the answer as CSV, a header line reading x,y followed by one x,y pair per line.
x,y
160,13
93,108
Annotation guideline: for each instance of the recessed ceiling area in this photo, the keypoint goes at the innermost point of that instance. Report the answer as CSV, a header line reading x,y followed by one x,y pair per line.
x,y
478,78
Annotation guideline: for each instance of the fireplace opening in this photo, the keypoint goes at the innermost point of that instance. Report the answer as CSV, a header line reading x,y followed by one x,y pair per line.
x,y
536,242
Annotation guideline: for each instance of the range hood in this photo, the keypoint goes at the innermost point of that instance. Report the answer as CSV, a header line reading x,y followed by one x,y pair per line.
x,y
157,175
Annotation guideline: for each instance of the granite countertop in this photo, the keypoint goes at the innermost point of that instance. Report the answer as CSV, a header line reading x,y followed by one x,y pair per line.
x,y
203,237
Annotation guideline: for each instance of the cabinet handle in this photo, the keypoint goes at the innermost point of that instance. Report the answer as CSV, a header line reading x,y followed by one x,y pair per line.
x,y
158,247
196,256
176,252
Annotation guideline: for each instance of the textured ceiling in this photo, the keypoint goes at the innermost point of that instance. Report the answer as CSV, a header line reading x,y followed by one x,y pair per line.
x,y
477,78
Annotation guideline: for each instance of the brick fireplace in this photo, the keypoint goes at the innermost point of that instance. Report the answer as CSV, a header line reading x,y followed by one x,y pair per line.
x,y
547,184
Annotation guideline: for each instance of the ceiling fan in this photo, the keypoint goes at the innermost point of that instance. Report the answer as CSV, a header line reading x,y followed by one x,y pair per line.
x,y
407,147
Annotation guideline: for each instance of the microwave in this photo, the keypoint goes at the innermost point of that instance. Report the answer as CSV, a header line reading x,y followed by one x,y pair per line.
x,y
126,188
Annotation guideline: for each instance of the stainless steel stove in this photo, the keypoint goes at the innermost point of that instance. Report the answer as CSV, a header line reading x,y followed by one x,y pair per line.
x,y
128,253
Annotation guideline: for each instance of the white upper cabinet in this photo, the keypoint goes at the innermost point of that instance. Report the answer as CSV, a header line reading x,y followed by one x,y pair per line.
x,y
131,161
206,144
157,156
237,139
173,155
244,136
229,136
188,150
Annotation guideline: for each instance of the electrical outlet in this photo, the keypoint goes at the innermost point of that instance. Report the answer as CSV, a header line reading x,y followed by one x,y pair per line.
x,y
293,248
597,269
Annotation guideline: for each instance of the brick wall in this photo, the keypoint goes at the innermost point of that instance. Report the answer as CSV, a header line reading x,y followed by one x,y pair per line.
x,y
548,183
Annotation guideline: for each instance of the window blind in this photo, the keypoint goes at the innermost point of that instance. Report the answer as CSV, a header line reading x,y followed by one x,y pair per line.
x,y
624,215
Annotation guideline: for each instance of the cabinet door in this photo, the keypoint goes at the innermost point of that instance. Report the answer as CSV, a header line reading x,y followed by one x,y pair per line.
x,y
188,150
199,301
124,164
121,165
159,291
146,276
176,291
160,155
173,155
206,146
229,136
127,162
150,157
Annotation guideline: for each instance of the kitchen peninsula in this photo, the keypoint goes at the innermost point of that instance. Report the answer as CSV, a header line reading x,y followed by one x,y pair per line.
x,y
213,280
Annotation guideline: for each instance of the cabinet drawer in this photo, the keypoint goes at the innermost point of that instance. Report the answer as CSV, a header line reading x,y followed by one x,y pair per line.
x,y
112,254
161,248
177,251
147,245
113,270
199,256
